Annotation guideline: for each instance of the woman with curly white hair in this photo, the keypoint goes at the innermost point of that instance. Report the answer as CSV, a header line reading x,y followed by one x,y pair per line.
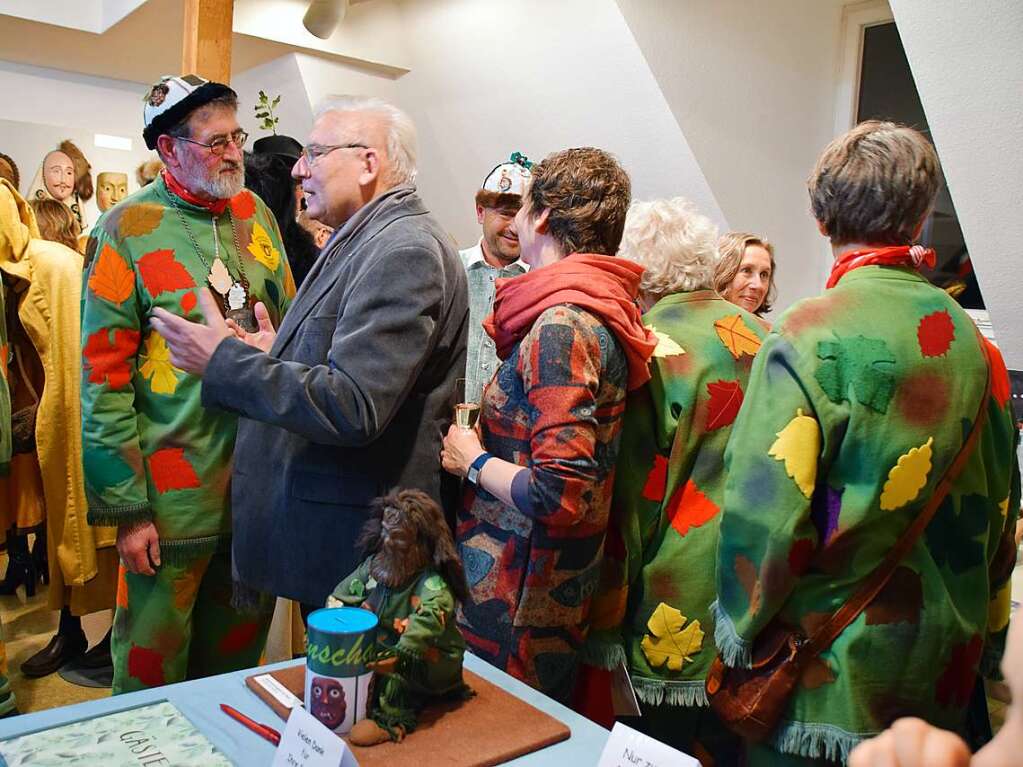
x,y
657,580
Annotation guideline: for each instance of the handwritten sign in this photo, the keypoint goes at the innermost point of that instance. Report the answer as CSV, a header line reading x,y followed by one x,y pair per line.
x,y
628,748
308,743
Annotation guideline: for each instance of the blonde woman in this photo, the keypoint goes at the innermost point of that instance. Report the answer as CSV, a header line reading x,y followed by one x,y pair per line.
x,y
745,272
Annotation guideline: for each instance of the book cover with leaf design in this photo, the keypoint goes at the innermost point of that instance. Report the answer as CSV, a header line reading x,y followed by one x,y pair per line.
x,y
127,738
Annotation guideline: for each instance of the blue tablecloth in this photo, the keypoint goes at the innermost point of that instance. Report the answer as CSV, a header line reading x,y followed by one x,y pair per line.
x,y
200,701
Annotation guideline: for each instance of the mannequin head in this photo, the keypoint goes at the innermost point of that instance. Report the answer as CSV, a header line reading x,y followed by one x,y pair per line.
x,y
59,175
111,189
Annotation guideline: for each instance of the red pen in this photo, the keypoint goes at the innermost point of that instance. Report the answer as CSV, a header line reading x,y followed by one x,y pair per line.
x,y
264,731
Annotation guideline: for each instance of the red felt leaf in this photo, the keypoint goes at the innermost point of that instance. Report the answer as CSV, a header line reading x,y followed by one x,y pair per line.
x,y
800,554
146,665
690,508
160,273
935,333
188,302
656,480
108,361
238,638
1001,390
725,400
170,470
956,682
242,205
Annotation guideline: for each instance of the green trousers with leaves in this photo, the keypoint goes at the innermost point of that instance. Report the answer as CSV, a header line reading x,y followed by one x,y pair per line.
x,y
179,624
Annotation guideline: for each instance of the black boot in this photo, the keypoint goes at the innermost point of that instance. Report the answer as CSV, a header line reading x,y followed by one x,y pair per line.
x,y
21,569
98,655
67,644
39,556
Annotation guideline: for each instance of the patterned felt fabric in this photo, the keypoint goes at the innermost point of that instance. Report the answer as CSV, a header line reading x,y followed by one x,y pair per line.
x,y
653,606
555,407
858,402
151,450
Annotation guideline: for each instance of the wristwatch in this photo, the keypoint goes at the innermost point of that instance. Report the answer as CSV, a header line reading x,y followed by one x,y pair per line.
x,y
473,475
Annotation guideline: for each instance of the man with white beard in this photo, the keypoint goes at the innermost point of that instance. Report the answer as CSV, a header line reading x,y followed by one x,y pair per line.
x,y
158,464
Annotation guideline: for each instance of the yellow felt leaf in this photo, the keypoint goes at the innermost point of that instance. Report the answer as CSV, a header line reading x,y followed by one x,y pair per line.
x,y
262,248
798,445
1003,507
907,477
666,346
999,608
667,641
738,337
156,366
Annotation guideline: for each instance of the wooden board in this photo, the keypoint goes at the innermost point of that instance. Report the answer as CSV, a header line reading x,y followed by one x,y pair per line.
x,y
490,728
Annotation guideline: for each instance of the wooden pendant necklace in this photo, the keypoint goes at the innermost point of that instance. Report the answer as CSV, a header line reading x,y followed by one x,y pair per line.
x,y
233,294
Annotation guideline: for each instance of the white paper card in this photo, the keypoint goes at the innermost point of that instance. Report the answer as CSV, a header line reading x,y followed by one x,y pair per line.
x,y
308,743
623,695
281,693
628,748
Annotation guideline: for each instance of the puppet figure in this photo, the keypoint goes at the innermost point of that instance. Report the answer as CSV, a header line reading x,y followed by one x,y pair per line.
x,y
413,580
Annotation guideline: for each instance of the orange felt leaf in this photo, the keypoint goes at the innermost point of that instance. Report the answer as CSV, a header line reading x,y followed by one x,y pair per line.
x,y
111,278
689,508
188,302
1001,390
160,273
170,470
242,205
738,337
122,587
4,351
108,361
725,400
656,480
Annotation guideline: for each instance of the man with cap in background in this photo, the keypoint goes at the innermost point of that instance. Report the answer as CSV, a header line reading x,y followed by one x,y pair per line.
x,y
495,255
157,463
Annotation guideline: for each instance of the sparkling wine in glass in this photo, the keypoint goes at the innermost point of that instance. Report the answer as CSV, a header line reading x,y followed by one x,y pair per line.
x,y
466,415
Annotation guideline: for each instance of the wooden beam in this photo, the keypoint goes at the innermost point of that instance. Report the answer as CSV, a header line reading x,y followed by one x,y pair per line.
x,y
206,45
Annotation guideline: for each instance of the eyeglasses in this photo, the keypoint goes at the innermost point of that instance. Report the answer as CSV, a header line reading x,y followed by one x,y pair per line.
x,y
219,145
313,152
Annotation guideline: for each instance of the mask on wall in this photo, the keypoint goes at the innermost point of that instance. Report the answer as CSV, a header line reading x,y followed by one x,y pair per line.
x,y
111,189
59,176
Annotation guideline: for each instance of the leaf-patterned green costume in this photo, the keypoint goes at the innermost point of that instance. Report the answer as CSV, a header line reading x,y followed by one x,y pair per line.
x,y
417,626
858,402
152,452
657,583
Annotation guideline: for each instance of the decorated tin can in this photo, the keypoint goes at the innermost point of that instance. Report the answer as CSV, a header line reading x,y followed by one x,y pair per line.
x,y
341,641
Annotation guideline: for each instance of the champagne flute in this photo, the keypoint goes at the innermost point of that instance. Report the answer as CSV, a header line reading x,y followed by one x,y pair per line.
x,y
466,413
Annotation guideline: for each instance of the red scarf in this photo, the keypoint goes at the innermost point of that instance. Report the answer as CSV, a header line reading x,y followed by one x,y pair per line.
x,y
892,255
603,285
216,207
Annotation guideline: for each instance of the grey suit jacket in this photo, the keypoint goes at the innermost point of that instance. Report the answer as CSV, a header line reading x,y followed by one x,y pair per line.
x,y
351,401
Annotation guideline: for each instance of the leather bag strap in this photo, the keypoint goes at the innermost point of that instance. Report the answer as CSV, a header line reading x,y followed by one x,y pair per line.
x,y
871,587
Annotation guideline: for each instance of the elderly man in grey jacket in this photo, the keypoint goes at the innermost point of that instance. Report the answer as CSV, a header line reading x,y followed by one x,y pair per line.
x,y
349,398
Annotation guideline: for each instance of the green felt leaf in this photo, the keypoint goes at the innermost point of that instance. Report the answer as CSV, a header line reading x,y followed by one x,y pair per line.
x,y
952,538
860,364
357,588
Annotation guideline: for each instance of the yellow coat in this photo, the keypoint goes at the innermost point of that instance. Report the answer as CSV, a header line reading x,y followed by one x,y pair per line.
x,y
49,311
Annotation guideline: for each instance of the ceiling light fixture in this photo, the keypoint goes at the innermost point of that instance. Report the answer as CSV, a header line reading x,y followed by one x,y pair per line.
x,y
323,16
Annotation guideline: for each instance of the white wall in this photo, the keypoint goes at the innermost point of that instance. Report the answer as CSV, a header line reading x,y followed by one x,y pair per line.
x,y
968,66
52,106
280,77
489,78
752,86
